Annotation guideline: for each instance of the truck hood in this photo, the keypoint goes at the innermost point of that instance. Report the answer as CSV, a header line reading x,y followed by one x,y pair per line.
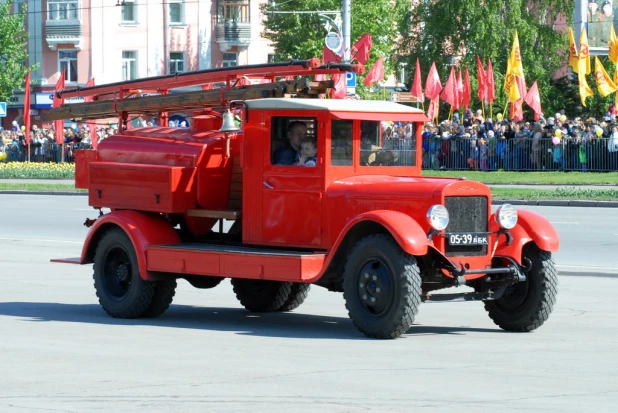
x,y
428,190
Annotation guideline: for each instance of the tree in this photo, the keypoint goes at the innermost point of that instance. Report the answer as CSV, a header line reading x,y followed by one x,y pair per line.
x,y
301,36
13,49
455,32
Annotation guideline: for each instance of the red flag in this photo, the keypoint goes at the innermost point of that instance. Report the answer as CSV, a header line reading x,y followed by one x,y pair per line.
x,y
361,49
243,81
376,73
59,124
432,84
449,94
533,98
434,108
90,83
459,90
207,86
289,78
467,90
328,56
417,89
490,86
340,90
319,77
482,92
27,108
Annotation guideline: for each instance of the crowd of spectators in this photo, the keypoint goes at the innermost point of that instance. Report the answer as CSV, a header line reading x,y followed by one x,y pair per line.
x,y
43,146
551,143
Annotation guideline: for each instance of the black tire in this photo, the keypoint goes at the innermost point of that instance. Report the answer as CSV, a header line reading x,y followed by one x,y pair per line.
x,y
261,296
162,298
298,294
121,290
381,287
527,305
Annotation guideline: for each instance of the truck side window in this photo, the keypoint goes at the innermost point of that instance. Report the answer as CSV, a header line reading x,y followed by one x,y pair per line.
x,y
293,141
388,143
341,142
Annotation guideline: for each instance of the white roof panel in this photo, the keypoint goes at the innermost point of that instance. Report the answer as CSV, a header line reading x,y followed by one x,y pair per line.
x,y
333,105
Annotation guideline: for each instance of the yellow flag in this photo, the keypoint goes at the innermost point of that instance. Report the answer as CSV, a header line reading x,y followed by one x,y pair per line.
x,y
613,45
584,89
515,58
604,82
584,52
616,83
573,57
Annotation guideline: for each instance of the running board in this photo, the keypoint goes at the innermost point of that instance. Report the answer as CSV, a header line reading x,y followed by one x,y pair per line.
x,y
235,261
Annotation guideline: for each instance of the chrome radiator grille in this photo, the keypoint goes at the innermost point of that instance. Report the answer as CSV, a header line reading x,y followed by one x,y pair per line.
x,y
467,214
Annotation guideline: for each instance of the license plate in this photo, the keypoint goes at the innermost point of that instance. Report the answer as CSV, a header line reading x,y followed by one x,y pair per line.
x,y
467,239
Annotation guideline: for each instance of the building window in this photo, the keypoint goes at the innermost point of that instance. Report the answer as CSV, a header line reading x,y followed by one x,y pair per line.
x,y
233,11
230,59
129,65
177,62
177,13
68,63
129,13
271,58
62,9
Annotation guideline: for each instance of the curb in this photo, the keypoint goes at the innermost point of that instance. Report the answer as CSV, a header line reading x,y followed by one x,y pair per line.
x,y
559,203
42,193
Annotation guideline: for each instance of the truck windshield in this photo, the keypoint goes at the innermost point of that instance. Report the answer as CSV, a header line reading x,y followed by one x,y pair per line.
x,y
388,143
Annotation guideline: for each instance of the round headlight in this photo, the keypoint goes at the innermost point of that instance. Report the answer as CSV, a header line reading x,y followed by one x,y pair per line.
x,y
506,215
437,217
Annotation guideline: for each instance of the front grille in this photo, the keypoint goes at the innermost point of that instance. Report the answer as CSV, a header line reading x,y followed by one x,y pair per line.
x,y
467,214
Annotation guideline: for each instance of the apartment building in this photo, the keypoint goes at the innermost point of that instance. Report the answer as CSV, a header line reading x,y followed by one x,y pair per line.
x,y
115,40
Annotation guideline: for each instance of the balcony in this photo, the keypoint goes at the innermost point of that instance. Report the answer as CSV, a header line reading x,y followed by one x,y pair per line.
x,y
64,32
233,26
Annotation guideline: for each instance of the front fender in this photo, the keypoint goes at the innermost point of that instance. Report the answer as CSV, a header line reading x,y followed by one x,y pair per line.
x,y
530,227
142,229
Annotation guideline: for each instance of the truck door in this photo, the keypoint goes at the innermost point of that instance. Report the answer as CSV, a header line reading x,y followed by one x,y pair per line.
x,y
292,184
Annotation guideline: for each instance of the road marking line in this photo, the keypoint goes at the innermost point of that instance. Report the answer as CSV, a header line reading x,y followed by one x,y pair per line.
x,y
40,240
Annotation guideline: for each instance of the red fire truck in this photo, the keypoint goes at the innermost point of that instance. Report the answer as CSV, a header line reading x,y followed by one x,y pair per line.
x,y
326,192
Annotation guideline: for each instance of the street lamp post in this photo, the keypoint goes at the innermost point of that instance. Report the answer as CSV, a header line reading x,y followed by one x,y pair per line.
x,y
347,11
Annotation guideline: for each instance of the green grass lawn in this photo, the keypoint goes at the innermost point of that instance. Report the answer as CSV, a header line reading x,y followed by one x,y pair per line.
x,y
554,194
544,178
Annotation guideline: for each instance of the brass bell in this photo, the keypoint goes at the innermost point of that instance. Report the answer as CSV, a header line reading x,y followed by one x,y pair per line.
x,y
228,123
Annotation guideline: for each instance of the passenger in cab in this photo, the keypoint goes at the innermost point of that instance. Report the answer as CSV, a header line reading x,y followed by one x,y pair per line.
x,y
308,152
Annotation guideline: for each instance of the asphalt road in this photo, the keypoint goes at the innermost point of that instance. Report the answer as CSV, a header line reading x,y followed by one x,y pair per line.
x,y
59,352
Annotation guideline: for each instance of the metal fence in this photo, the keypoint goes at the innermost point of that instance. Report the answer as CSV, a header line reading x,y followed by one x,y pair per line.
x,y
520,154
48,152
446,154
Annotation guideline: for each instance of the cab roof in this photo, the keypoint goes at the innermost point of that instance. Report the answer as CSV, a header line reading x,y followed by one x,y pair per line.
x,y
333,105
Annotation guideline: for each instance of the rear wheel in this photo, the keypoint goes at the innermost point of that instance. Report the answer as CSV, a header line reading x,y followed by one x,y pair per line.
x,y
162,298
261,295
525,306
121,290
298,294
381,287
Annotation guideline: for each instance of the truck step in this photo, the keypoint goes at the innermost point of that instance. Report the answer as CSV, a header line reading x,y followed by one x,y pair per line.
x,y
235,261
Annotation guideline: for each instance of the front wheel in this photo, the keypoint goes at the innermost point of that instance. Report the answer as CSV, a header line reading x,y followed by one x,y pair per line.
x,y
525,306
381,287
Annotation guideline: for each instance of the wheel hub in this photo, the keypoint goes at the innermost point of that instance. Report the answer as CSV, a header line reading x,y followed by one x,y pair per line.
x,y
375,287
122,273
